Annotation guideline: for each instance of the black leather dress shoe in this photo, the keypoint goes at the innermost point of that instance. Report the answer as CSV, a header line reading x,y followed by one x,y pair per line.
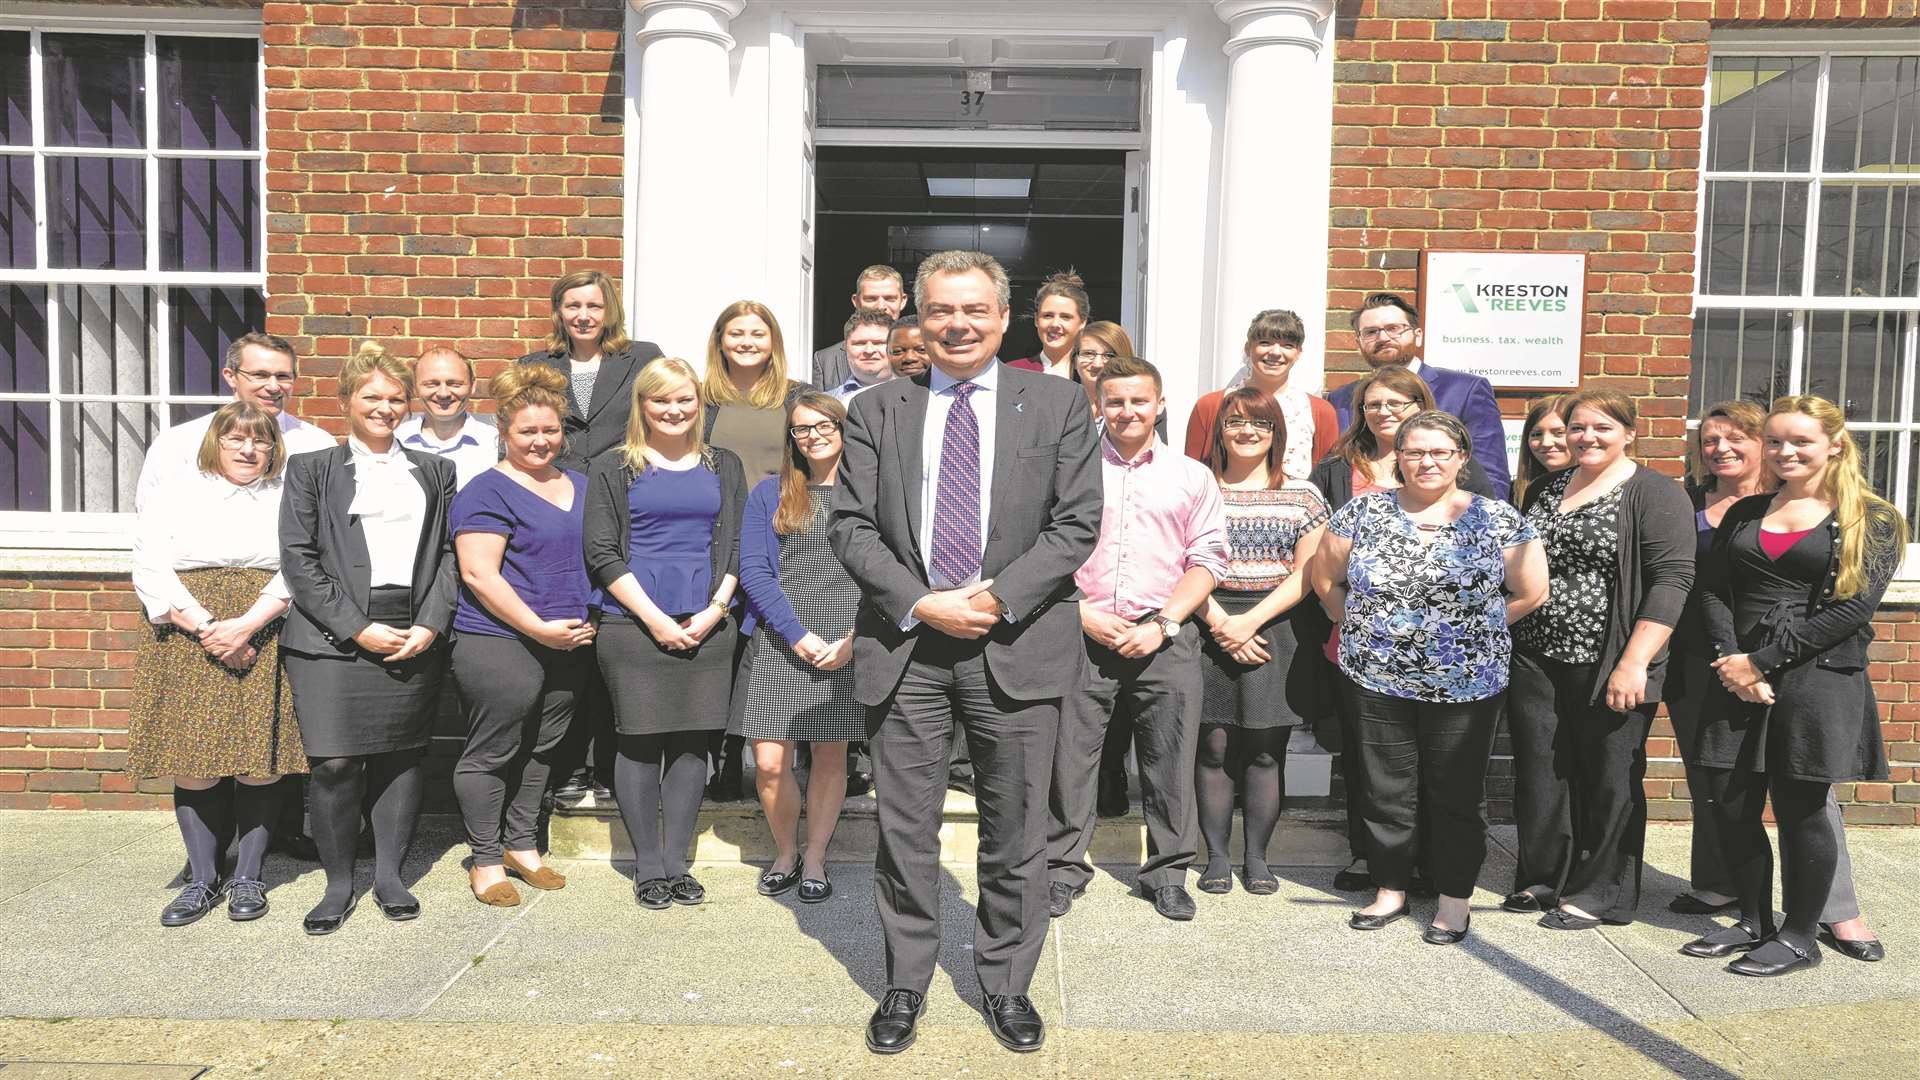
x,y
815,890
1774,958
655,894
775,882
1440,935
1738,938
891,1028
1060,898
246,899
1871,951
1375,922
686,891
320,926
191,904
1689,904
1015,1022
1173,902
1355,878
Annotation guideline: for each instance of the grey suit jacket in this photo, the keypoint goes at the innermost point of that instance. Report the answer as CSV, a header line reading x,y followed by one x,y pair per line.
x,y
605,423
830,366
324,559
1041,526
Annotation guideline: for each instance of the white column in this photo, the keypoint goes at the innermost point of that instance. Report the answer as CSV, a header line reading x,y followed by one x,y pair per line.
x,y
1275,175
679,187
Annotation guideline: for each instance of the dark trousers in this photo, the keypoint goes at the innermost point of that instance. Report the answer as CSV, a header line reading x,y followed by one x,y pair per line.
x,y
1354,775
518,699
1162,693
1011,744
590,742
1578,799
1425,760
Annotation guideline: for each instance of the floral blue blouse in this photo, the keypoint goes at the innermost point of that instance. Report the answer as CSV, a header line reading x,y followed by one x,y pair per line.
x,y
1427,621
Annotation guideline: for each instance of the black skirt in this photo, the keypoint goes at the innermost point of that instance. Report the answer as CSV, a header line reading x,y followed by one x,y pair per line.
x,y
350,705
1279,693
656,691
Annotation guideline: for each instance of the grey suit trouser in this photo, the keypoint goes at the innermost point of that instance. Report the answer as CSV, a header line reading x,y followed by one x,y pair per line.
x,y
1162,692
1011,743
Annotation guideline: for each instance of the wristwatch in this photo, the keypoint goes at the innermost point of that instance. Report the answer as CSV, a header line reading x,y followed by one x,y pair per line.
x,y
1167,626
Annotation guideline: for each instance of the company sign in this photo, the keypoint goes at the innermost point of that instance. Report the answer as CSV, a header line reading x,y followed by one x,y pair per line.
x,y
1513,316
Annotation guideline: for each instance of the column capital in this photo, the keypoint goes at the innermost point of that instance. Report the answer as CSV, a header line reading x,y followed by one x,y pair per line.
x,y
1253,23
704,20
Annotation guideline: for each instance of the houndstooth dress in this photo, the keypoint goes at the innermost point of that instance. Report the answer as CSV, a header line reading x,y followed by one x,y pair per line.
x,y
788,698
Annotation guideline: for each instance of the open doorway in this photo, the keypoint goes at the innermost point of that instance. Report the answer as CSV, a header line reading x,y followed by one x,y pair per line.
x,y
1037,211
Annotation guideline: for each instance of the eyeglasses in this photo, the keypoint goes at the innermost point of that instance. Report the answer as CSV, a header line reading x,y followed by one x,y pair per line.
x,y
284,378
1439,457
902,350
1398,329
1242,423
1090,355
1386,407
245,442
822,429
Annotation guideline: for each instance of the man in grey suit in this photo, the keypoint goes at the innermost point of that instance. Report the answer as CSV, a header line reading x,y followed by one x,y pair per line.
x,y
967,498
878,286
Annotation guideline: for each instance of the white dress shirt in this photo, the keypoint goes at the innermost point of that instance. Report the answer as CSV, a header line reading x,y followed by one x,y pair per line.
x,y
392,507
474,449
938,405
176,451
200,520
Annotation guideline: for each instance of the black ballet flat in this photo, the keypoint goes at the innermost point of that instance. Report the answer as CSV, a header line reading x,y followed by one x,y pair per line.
x,y
1769,969
1218,886
1566,920
1870,952
1709,949
399,912
1524,902
320,927
1377,922
1439,935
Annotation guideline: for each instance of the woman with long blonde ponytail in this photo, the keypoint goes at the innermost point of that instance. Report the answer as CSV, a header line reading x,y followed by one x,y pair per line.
x,y
1794,579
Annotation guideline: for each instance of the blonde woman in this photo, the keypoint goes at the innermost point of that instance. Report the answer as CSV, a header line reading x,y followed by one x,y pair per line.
x,y
1794,576
366,554
662,538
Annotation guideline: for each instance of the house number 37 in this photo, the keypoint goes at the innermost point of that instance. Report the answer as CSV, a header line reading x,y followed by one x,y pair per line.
x,y
972,102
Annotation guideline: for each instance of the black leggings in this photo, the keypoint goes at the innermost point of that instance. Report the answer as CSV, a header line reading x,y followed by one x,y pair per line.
x,y
1810,851
1256,759
389,786
658,781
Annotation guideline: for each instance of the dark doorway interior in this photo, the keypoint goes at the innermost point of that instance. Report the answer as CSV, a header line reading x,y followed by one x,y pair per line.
x,y
1037,211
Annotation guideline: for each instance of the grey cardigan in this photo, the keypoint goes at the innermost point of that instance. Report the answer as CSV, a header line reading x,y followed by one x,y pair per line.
x,y
1653,573
607,534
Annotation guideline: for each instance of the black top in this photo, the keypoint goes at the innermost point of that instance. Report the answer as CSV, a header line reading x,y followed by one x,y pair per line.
x,y
604,424
607,532
1581,564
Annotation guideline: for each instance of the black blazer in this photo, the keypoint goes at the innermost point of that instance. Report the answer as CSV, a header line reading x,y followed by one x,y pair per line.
x,y
1041,527
607,532
605,424
323,552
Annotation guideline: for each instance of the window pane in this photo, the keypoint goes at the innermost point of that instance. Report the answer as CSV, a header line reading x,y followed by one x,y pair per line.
x,y
1853,359
1761,117
16,88
1877,456
1869,242
102,447
97,216
1873,114
209,93
203,323
16,211
208,210
95,89
1739,354
23,339
25,466
1756,236
104,339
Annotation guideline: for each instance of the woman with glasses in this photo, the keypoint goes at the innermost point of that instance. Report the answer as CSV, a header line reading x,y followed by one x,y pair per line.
x,y
801,686
1256,688
1274,341
1361,461
208,702
1061,310
1589,667
1424,581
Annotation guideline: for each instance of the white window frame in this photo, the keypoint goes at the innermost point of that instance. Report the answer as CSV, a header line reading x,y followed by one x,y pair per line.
x,y
74,539
1906,425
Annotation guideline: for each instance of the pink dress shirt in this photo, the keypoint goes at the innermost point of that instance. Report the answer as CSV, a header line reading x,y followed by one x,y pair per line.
x,y
1163,516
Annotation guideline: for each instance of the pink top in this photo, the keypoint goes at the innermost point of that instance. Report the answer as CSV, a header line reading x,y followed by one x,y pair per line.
x,y
1163,516
1776,544
1363,483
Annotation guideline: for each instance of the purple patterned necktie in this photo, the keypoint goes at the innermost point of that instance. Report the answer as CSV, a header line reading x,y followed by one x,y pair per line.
x,y
956,504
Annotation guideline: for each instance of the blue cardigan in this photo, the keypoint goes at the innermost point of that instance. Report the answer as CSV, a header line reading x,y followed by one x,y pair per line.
x,y
1467,396
760,565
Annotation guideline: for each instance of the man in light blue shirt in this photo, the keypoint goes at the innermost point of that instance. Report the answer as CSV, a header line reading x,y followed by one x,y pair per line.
x,y
443,379
867,364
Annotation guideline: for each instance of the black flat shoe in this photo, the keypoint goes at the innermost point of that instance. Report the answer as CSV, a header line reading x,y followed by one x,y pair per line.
x,y
775,882
1262,884
1060,898
572,793
1522,903
246,900
654,894
1689,904
686,891
403,912
1439,935
1871,951
320,926
1762,966
1217,886
1352,880
1015,1022
1738,938
191,904
1173,902
1565,920
1376,922
815,890
891,1028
